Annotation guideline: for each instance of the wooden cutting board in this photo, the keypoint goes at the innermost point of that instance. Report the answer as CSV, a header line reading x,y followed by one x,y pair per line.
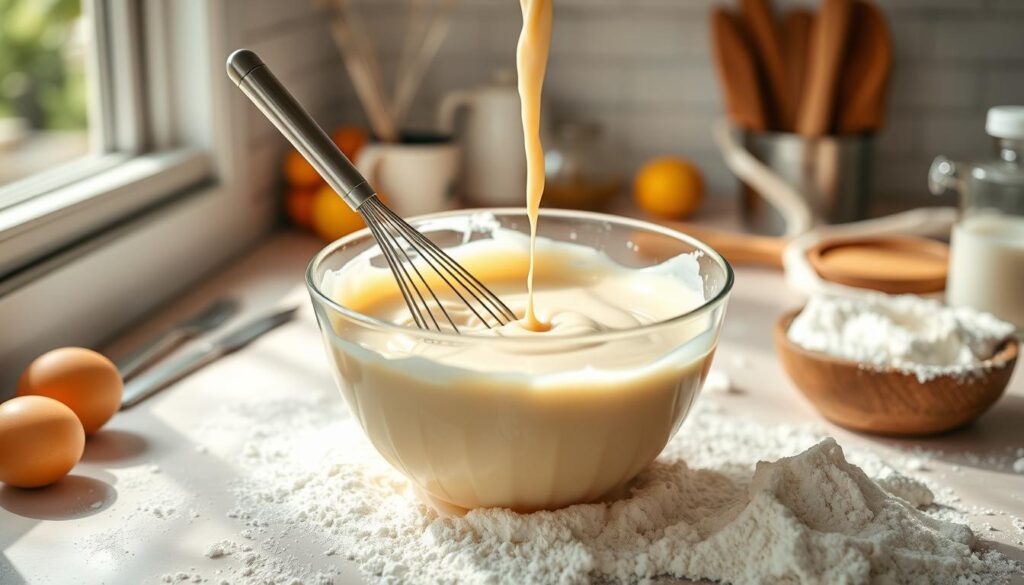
x,y
737,72
862,88
827,49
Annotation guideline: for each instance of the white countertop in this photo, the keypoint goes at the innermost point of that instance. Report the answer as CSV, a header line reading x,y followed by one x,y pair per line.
x,y
106,523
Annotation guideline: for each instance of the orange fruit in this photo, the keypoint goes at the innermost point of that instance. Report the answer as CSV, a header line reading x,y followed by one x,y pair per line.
x,y
350,139
298,204
332,217
669,187
300,173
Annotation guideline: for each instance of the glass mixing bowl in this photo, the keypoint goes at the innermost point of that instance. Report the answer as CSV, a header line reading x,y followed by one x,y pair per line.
x,y
522,432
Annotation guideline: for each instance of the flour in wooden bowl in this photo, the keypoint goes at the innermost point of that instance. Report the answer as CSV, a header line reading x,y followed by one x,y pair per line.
x,y
907,333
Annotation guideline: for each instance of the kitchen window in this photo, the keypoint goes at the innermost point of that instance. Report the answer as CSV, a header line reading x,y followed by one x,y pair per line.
x,y
159,198
90,131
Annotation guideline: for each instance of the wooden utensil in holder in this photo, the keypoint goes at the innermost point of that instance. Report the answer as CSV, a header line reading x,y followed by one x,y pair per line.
x,y
861,98
805,95
744,100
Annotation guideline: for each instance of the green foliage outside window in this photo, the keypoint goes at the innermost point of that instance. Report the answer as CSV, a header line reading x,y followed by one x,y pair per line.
x,y
41,63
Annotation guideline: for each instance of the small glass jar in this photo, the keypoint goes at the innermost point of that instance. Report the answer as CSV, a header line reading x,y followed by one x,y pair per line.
x,y
986,269
579,169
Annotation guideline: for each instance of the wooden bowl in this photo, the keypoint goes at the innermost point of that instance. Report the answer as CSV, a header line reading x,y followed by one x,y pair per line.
x,y
891,402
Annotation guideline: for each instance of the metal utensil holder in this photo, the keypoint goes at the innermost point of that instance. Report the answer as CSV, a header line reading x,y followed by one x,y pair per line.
x,y
832,174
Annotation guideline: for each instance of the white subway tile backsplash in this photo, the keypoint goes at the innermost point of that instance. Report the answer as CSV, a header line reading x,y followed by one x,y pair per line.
x,y
642,68
1004,85
500,31
267,16
447,75
935,85
945,6
901,135
587,82
670,130
668,37
957,134
679,84
903,179
295,49
569,32
977,39
911,35
1014,6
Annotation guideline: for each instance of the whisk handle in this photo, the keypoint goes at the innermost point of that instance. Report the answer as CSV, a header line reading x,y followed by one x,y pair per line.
x,y
256,81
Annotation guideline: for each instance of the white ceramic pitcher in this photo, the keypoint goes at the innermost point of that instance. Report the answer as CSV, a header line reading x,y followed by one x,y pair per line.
x,y
491,134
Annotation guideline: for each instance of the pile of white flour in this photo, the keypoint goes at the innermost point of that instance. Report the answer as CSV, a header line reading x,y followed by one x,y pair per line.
x,y
706,509
907,333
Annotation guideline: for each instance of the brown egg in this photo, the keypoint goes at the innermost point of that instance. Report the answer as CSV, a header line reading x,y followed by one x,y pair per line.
x,y
40,441
87,382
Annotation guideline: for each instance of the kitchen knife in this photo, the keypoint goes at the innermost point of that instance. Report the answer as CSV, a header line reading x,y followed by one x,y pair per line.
x,y
861,99
207,352
828,47
207,320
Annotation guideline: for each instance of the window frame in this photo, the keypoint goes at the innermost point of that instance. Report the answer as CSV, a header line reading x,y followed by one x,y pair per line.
x,y
138,157
89,290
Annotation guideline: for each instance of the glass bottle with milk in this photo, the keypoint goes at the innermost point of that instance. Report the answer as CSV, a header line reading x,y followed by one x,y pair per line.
x,y
986,268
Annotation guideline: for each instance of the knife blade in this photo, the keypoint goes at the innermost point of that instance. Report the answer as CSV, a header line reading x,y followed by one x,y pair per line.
x,y
210,318
161,376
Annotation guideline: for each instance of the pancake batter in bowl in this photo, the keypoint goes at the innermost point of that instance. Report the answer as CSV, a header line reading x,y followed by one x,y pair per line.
x,y
561,406
515,418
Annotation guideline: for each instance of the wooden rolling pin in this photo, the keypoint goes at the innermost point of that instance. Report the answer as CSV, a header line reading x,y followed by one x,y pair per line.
x,y
890,264
737,248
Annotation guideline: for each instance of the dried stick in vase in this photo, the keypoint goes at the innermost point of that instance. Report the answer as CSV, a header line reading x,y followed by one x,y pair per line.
x,y
370,94
360,33
407,86
415,30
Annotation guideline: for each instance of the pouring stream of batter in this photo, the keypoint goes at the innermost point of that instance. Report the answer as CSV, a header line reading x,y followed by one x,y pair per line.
x,y
531,62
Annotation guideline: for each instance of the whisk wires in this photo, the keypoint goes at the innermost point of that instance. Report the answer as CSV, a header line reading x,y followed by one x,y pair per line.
x,y
419,265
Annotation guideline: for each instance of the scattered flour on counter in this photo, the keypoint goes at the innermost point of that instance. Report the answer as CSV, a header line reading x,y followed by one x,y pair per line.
x,y
908,333
220,549
707,508
182,577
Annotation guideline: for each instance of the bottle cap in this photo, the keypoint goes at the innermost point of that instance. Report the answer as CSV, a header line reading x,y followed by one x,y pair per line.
x,y
1005,122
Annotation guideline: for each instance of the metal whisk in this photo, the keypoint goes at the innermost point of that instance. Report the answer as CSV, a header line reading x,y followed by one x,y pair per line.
x,y
410,255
